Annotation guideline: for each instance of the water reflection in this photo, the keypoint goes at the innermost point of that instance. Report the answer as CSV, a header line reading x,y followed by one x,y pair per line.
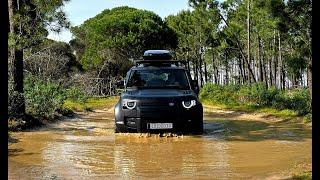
x,y
88,148
177,157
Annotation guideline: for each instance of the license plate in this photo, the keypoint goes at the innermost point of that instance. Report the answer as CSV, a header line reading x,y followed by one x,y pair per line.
x,y
160,125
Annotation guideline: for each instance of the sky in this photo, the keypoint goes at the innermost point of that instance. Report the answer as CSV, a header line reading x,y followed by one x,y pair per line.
x,y
80,10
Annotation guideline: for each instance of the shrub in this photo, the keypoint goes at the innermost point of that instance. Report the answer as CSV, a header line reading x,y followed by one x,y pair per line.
x,y
272,93
308,118
258,95
43,98
219,94
299,100
244,95
76,94
15,100
280,101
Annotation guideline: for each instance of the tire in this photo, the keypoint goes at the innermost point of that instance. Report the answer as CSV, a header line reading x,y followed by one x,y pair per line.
x,y
116,130
119,129
198,126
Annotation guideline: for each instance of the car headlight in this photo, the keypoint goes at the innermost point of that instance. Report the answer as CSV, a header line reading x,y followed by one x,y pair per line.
x,y
188,104
129,104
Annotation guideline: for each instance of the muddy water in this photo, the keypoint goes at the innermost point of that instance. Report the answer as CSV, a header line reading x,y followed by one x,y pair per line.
x,y
231,148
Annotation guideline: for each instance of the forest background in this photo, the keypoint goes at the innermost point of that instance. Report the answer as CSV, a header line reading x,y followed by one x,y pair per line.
x,y
247,54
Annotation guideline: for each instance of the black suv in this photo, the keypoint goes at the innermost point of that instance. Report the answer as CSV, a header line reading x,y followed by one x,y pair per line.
x,y
159,95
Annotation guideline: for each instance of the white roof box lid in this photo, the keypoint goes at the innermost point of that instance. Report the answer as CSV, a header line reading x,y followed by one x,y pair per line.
x,y
157,55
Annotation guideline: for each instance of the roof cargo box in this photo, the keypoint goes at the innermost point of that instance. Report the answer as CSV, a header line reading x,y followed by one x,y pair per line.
x,y
157,55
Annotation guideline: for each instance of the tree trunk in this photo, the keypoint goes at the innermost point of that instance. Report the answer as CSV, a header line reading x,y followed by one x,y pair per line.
x,y
310,77
215,69
275,59
260,59
283,77
244,71
245,59
188,65
17,58
264,62
242,79
248,37
188,62
227,68
270,72
214,80
218,64
280,54
200,71
12,31
196,70
205,72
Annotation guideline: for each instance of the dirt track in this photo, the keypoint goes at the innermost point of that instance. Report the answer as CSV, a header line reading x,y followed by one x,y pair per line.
x,y
234,146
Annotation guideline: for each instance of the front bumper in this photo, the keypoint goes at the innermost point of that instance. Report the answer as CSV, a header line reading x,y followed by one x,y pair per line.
x,y
139,118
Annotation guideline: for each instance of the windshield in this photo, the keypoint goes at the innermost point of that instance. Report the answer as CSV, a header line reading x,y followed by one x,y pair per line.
x,y
158,78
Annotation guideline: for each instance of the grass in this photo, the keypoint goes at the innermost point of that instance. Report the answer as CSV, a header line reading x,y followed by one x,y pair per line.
x,y
92,103
286,113
29,122
108,102
303,176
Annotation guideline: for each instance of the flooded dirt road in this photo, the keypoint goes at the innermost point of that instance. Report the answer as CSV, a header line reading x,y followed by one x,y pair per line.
x,y
234,146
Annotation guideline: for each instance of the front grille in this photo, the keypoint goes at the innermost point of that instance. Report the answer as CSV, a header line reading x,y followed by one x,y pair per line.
x,y
158,108
155,103
158,112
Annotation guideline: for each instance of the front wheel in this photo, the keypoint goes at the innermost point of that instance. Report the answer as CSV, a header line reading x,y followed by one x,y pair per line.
x,y
198,127
119,129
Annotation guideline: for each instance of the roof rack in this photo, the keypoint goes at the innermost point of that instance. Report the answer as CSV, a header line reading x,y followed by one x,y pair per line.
x,y
159,62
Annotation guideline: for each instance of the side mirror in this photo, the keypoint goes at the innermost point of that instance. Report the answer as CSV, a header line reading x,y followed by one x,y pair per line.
x,y
195,86
120,84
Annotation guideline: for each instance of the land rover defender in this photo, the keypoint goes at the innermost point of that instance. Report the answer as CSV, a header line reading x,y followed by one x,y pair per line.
x,y
159,95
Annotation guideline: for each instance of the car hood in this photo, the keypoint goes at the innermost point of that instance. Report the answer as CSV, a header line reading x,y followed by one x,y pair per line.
x,y
144,93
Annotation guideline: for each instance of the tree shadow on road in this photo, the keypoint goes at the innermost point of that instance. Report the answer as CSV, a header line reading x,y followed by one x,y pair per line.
x,y
18,152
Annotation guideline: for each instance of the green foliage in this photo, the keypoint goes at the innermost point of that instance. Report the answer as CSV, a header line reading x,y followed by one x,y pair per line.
x,y
29,24
303,176
43,98
219,94
296,99
15,100
258,95
118,34
33,19
195,29
308,118
76,94
91,103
